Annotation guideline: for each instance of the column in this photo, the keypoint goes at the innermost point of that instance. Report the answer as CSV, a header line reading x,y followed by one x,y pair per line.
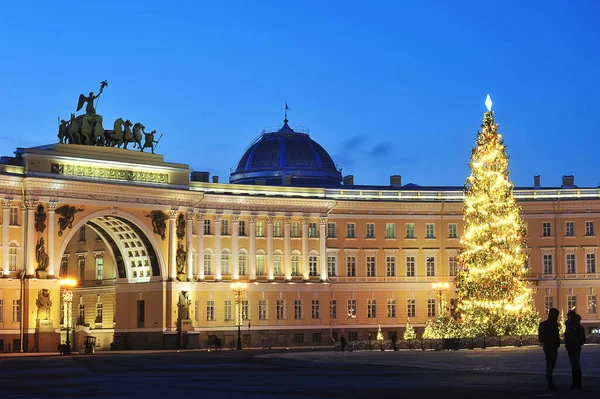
x,y
188,235
30,243
305,248
235,268
200,246
6,202
172,272
252,247
51,261
270,220
323,247
286,248
217,246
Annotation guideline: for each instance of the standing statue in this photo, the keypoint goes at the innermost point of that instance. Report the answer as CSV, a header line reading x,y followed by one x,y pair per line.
x,y
183,306
67,216
180,260
149,141
159,222
44,303
41,256
180,227
40,219
89,108
63,131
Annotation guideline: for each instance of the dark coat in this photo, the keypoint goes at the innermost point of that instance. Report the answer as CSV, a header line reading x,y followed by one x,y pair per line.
x,y
574,336
548,334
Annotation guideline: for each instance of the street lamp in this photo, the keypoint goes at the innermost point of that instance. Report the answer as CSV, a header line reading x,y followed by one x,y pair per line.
x,y
439,288
67,284
238,292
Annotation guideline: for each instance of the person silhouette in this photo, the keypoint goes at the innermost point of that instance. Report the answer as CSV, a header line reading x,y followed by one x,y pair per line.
x,y
574,340
549,337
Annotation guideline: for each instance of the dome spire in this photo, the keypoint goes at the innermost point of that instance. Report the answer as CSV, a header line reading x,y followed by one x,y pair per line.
x,y
285,119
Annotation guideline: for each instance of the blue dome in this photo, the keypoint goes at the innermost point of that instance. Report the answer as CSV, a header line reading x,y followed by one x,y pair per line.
x,y
286,157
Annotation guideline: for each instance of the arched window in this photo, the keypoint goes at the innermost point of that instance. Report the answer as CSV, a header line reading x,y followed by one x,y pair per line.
x,y
13,251
243,263
296,263
260,264
277,264
208,263
313,264
225,260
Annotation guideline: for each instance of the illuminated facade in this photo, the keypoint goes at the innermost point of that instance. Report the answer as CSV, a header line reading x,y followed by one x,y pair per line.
x,y
323,258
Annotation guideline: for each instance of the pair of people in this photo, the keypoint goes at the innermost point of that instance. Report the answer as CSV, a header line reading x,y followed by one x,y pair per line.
x,y
549,336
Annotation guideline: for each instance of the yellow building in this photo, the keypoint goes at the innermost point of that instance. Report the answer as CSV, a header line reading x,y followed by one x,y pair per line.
x,y
154,247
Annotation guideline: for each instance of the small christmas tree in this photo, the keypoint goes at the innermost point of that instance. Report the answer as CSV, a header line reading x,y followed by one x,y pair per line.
x,y
409,331
379,334
494,297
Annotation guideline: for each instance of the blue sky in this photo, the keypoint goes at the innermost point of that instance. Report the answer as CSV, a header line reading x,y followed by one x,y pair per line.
x,y
387,88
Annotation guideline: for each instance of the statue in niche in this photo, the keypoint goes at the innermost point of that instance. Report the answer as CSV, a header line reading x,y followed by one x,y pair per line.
x,y
41,257
44,303
181,258
180,228
67,216
159,223
183,306
40,219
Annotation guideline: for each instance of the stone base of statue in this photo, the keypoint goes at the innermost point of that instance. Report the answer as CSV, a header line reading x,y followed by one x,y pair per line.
x,y
185,325
41,274
46,338
182,277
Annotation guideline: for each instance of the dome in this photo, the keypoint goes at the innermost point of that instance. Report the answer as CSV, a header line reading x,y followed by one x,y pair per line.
x,y
286,157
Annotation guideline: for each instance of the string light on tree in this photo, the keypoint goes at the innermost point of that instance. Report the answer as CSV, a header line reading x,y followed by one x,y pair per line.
x,y
494,297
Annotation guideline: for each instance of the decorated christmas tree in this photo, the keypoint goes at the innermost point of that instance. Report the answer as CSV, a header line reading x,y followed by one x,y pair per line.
x,y
409,331
494,298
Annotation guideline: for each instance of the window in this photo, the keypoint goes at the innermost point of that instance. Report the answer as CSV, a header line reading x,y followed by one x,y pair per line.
x,y
16,310
295,229
207,229
242,228
316,311
430,265
350,230
351,266
370,230
225,260
297,309
81,267
227,314
81,313
316,337
262,309
590,262
571,302
591,304
208,264
431,307
547,262
312,230
312,266
352,308
548,303
371,308
452,265
411,308
141,313
82,234
12,257
452,230
196,311
410,266
295,265
589,228
333,309
332,266
99,267
280,309
99,310
14,216
546,229
569,229
370,266
429,230
330,230
260,228
277,232
210,310
298,338
571,269
245,308
410,230
390,266
277,265
1,310
391,308
390,230
243,263
224,227
260,265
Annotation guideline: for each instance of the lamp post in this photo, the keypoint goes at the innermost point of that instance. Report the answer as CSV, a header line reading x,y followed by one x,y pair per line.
x,y
439,289
238,292
67,284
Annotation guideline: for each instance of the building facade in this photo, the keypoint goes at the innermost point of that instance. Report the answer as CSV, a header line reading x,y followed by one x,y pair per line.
x,y
154,247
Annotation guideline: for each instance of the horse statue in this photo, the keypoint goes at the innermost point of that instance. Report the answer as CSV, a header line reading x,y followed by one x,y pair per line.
x,y
73,130
138,129
99,136
115,137
127,134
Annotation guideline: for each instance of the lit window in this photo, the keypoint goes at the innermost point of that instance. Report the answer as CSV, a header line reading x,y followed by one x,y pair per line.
x,y
260,265
227,314
410,266
410,230
411,308
390,230
208,263
352,308
312,230
452,265
391,308
571,302
312,266
12,257
277,265
452,230
295,229
277,232
243,264
591,304
210,310
429,230
430,265
431,308
225,260
99,267
260,228
262,309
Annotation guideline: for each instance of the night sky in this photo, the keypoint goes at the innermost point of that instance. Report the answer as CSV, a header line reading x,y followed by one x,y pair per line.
x,y
387,88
